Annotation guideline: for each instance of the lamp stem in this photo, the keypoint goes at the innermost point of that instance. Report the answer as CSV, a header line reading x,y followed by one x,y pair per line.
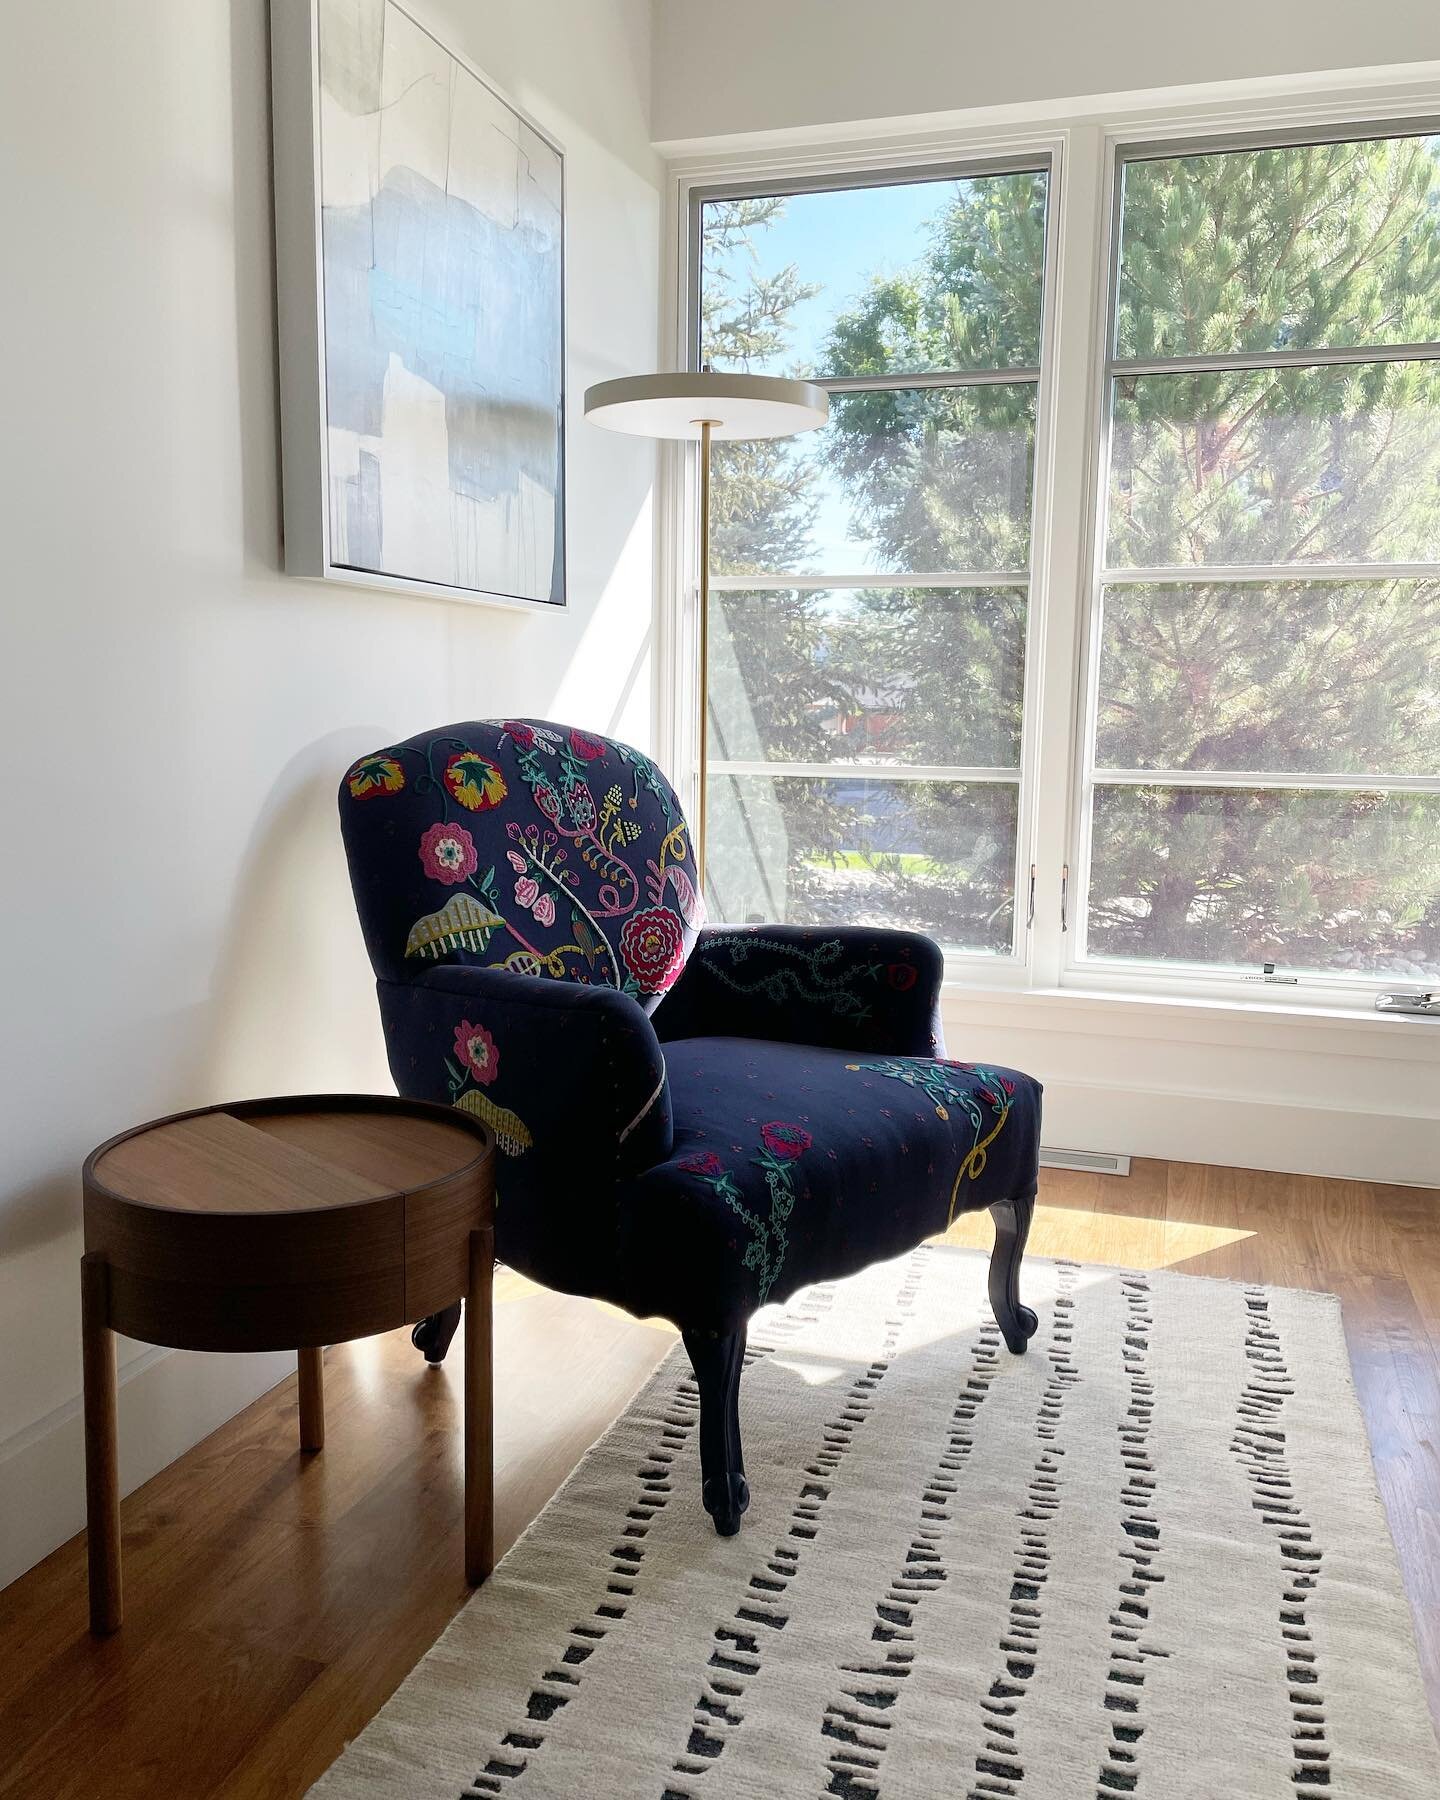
x,y
705,426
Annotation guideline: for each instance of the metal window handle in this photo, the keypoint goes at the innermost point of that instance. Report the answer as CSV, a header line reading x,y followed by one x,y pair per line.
x,y
1065,897
1425,1005
1030,909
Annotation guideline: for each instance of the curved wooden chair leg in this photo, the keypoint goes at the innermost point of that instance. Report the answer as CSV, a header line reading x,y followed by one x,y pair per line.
x,y
1012,1226
717,1362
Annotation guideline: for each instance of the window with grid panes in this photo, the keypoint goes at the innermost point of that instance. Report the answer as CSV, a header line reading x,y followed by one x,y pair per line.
x,y
870,580
1262,740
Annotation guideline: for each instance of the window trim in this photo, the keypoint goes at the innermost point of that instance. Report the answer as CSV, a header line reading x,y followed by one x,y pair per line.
x,y
1079,968
1080,143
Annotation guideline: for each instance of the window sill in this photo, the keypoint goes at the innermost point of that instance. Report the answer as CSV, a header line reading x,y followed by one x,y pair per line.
x,y
1199,1019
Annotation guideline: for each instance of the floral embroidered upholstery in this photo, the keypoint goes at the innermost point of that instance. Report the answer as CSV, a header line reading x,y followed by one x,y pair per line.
x,y
523,846
846,987
793,1164
527,893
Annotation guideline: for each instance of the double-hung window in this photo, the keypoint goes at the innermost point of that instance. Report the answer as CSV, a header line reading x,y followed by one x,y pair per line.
x,y
1262,753
870,580
1229,765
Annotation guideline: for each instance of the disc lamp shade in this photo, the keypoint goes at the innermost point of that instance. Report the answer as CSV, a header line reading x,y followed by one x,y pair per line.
x,y
701,407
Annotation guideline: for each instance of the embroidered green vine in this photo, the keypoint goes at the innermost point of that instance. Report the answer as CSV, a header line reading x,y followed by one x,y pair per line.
x,y
941,1085
781,1145
808,976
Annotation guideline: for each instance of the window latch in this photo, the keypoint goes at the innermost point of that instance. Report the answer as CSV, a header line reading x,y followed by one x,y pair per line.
x,y
1268,974
1065,897
1030,909
1422,1005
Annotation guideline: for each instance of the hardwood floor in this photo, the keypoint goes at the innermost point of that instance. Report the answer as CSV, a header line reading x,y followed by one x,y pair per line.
x,y
274,1601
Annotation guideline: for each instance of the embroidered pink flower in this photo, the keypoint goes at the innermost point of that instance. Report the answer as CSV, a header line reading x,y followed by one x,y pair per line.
x,y
587,748
653,946
544,910
523,734
527,890
476,1049
448,854
516,861
901,977
706,1164
1007,1084
785,1141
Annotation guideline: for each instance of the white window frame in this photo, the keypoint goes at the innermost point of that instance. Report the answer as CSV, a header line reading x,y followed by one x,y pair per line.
x,y
1165,977
1025,154
1084,153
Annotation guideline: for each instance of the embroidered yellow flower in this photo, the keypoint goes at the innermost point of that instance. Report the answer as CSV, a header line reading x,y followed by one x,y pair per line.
x,y
375,775
474,782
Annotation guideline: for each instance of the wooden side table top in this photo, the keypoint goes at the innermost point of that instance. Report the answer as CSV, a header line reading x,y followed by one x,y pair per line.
x,y
285,1225
336,1216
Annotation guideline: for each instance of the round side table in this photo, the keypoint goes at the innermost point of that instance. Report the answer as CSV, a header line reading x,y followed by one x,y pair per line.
x,y
278,1225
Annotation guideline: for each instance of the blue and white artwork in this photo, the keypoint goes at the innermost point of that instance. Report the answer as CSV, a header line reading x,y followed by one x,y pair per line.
x,y
442,259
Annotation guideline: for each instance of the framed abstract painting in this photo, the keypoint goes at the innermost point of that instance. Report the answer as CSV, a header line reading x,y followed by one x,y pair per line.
x,y
420,236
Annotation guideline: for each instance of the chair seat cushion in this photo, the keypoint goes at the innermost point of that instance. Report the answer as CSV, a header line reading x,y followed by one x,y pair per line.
x,y
793,1164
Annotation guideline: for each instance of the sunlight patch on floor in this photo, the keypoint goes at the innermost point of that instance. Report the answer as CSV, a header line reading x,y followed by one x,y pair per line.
x,y
1117,1240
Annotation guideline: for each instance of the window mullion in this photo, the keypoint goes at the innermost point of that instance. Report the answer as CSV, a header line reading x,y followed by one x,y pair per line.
x,y
1062,541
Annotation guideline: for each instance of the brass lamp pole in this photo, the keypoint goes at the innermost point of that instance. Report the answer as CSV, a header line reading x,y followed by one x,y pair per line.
x,y
700,407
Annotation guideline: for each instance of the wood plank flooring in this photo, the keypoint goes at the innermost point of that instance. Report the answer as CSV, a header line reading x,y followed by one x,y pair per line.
x,y
274,1601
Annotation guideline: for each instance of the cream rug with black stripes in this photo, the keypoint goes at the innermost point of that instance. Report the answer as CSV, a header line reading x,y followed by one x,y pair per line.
x,y
1148,1558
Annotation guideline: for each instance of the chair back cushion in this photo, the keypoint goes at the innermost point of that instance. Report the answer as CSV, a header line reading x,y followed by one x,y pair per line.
x,y
522,845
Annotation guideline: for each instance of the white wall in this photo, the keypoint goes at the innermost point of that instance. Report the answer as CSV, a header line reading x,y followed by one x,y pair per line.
x,y
767,65
176,924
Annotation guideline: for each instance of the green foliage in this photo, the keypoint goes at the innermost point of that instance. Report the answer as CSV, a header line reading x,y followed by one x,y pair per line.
x,y
1287,248
1318,246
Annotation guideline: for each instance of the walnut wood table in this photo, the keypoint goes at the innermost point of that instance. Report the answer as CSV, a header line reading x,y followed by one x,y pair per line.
x,y
279,1225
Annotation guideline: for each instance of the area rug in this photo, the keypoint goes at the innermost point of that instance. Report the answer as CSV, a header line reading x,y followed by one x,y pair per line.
x,y
1147,1558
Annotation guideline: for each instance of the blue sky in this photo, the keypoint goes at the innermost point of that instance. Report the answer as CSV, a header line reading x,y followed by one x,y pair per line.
x,y
840,241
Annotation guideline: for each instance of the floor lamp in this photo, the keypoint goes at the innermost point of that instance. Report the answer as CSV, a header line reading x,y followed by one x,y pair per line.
x,y
700,408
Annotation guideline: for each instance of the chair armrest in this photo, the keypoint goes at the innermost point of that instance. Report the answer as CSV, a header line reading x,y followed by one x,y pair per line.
x,y
564,1074
838,987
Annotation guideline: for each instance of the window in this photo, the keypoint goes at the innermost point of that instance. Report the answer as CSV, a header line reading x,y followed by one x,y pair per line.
x,y
1263,738
1227,760
870,580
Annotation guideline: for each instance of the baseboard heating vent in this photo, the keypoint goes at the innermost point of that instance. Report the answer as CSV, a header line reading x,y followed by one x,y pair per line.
x,y
1093,1162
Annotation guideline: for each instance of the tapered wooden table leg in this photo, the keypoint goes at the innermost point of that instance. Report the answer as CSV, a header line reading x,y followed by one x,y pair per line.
x,y
312,1398
479,1418
102,1471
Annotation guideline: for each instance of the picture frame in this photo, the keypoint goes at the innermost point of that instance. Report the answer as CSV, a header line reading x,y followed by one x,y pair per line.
x,y
420,272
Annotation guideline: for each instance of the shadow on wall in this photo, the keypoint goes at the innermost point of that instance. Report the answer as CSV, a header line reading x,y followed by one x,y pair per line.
x,y
292,1000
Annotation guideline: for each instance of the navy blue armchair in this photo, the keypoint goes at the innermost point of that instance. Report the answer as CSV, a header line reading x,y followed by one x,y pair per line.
x,y
692,1122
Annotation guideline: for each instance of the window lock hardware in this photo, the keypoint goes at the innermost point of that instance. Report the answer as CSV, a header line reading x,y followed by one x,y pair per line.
x,y
1030,909
1268,974
1422,1005
1065,897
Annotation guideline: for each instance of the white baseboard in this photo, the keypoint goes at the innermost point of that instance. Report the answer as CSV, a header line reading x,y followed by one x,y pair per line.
x,y
169,1400
1239,1133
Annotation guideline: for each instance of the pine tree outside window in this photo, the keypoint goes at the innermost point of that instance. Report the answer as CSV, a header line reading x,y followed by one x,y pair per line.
x,y
1261,779
870,581
1227,760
